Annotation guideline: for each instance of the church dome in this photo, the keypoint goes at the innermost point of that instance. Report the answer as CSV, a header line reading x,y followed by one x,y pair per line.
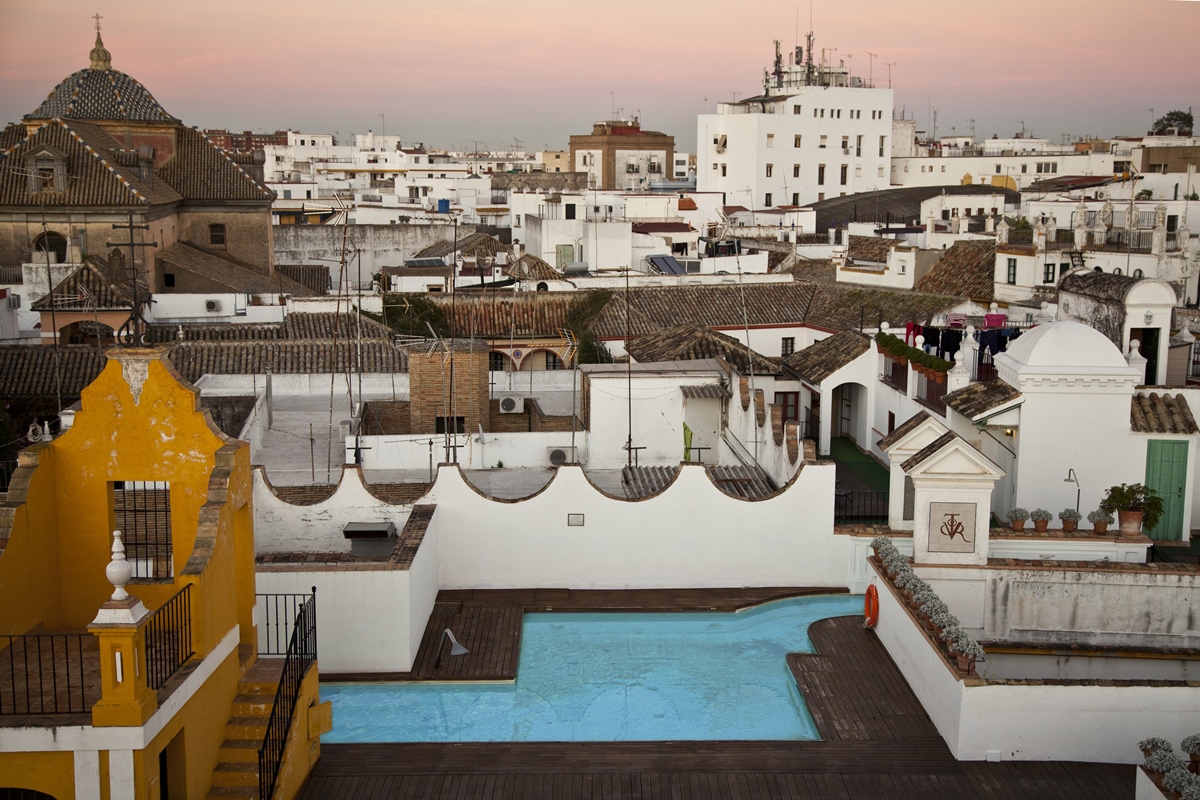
x,y
101,93
1067,344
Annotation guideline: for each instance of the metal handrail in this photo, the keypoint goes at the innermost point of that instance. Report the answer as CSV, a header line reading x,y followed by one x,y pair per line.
x,y
275,616
32,680
301,654
169,638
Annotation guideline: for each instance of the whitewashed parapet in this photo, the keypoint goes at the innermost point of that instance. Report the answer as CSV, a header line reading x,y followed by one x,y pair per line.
x,y
283,527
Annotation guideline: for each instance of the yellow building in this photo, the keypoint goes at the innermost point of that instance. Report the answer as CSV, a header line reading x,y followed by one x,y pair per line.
x,y
129,664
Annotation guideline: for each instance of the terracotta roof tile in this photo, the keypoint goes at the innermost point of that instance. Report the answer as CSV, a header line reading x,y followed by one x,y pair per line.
x,y
314,276
978,398
30,371
296,326
904,430
530,267
1098,285
929,451
199,170
300,357
235,277
815,270
101,94
473,244
967,269
1154,413
691,342
870,248
821,359
539,314
89,287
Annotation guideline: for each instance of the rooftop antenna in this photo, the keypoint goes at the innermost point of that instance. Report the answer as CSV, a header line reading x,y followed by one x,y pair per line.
x,y
890,64
871,68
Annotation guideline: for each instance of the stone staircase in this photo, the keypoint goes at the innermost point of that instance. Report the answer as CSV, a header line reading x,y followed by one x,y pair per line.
x,y
236,774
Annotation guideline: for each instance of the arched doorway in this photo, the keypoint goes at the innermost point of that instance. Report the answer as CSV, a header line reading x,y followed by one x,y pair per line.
x,y
53,242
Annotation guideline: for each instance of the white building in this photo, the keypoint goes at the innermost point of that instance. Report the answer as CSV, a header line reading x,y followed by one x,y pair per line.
x,y
814,132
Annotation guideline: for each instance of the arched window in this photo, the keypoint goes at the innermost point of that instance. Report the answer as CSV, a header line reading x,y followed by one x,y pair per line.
x,y
553,361
1137,273
216,234
1117,271
53,242
543,287
498,362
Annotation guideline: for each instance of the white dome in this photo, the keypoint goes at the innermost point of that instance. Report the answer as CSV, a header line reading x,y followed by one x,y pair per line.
x,y
1065,344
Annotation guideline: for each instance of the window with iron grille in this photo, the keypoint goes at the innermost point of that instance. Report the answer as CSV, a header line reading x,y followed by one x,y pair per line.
x,y
142,512
553,361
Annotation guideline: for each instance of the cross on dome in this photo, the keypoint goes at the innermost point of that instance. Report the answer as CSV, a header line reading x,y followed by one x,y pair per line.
x,y
101,58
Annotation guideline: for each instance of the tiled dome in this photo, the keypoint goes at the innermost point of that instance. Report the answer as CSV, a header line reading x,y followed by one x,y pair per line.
x,y
101,93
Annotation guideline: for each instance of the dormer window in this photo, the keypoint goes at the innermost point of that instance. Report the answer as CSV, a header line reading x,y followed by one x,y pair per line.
x,y
216,235
46,170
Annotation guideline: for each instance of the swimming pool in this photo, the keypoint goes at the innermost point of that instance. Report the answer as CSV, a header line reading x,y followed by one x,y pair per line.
x,y
613,677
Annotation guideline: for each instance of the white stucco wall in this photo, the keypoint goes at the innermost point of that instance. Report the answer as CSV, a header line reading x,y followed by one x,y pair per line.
x,y
657,542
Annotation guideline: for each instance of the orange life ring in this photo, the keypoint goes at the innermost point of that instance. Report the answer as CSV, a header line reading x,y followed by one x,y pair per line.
x,y
871,607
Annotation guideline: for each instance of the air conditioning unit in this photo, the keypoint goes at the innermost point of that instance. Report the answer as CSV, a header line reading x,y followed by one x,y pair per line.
x,y
14,301
212,305
557,456
512,405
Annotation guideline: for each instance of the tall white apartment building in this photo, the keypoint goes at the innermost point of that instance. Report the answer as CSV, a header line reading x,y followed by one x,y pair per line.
x,y
814,132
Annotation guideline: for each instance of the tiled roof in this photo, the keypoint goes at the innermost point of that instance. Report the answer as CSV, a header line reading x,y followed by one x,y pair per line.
x,y
829,306
11,136
101,94
29,371
705,391
306,356
692,342
90,288
687,204
929,451
1098,285
314,276
539,314
820,360
295,326
235,277
900,206
530,267
473,244
870,248
816,270
978,398
904,430
1164,413
95,175
740,481
199,170
967,269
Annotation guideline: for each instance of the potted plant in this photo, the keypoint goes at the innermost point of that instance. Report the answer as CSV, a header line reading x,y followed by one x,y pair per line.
x,y
966,651
1161,763
1100,520
1153,745
1041,519
941,620
1070,519
1137,506
1178,780
1017,517
1191,746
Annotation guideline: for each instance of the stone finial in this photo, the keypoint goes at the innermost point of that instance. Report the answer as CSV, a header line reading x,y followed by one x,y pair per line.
x,y
1002,229
118,571
101,58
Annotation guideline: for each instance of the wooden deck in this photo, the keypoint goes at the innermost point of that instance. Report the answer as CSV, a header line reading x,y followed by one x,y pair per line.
x,y
878,741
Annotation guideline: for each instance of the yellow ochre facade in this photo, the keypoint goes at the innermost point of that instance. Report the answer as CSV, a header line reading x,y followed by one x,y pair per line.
x,y
138,422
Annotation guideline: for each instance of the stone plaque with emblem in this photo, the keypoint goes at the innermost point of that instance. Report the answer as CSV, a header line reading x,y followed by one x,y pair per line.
x,y
952,527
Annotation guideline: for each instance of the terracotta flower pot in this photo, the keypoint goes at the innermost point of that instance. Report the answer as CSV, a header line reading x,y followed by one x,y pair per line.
x,y
1194,763
1040,525
1069,525
965,663
1018,525
1100,527
1130,522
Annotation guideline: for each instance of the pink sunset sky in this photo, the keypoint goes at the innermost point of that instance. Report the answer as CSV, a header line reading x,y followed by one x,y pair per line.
x,y
448,74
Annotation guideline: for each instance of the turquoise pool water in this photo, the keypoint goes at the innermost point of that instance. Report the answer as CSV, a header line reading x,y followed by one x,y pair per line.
x,y
613,677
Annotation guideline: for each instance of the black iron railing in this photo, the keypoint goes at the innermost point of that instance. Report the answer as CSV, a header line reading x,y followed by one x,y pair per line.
x,y
1172,555
932,393
301,653
276,616
895,374
860,507
169,638
43,673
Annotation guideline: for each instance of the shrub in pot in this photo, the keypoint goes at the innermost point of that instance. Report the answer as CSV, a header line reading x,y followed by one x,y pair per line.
x,y
1070,519
1100,520
1154,744
1136,505
966,650
1017,517
1191,746
1041,519
1177,780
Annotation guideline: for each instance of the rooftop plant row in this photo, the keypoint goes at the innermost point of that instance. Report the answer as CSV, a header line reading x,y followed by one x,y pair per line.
x,y
896,348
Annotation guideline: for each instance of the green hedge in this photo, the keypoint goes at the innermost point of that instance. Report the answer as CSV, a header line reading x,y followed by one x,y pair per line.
x,y
896,348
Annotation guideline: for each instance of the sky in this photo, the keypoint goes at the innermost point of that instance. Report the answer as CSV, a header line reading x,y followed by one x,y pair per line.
x,y
533,72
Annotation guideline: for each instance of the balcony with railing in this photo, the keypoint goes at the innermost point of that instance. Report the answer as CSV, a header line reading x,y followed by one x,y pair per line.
x,y
1122,240
931,390
895,373
10,275
51,679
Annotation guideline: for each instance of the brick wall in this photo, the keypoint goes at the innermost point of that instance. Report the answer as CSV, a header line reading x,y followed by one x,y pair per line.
x,y
429,387
509,423
540,421
385,417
